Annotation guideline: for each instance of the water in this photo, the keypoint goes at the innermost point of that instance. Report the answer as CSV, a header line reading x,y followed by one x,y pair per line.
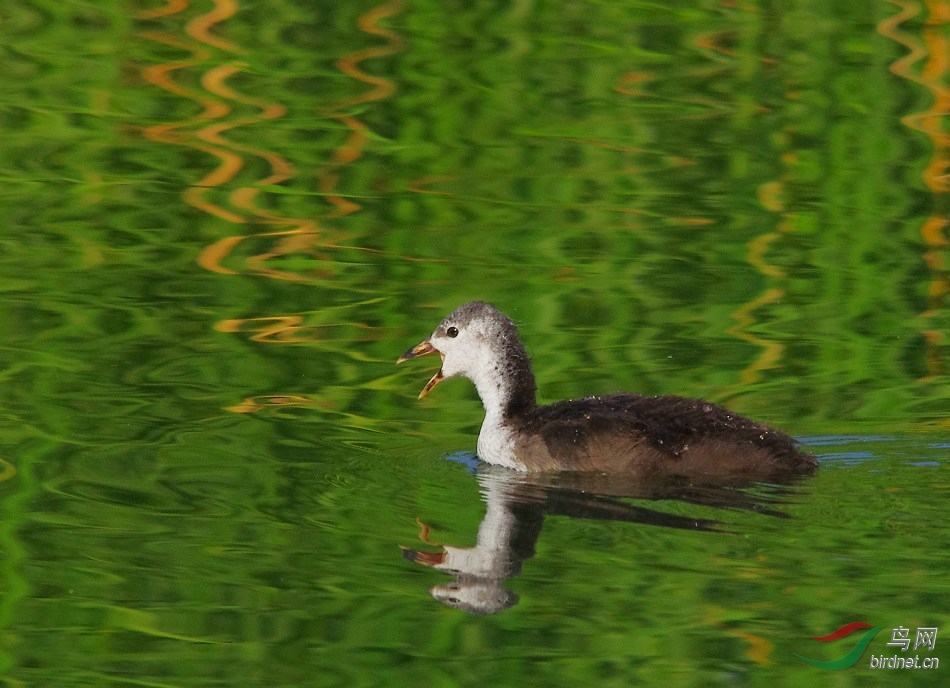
x,y
222,223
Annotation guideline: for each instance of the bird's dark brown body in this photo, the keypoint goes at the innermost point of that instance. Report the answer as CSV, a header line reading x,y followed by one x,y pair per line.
x,y
666,435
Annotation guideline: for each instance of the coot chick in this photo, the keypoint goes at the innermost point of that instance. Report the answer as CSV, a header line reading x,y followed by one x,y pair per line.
x,y
622,433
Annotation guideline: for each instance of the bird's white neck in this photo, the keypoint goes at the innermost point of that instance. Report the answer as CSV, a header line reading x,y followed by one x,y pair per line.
x,y
496,441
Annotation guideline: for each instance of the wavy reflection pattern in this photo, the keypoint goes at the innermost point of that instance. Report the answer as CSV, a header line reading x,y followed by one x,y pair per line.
x,y
771,194
926,64
284,247
931,47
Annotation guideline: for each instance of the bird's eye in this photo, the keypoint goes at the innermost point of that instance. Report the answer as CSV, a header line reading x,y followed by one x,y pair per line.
x,y
453,332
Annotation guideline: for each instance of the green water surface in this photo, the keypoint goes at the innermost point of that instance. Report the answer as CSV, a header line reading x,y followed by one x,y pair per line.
x,y
222,221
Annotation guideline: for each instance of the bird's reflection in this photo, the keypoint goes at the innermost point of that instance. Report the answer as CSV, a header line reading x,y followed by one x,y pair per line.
x,y
517,504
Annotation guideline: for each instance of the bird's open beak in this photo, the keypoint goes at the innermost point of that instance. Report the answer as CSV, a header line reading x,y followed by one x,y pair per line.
x,y
423,349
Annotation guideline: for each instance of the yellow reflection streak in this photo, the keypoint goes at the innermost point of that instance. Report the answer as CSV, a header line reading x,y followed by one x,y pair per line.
x,y
171,132
208,132
254,404
760,648
304,235
933,48
7,470
279,328
382,88
771,351
200,27
770,196
173,7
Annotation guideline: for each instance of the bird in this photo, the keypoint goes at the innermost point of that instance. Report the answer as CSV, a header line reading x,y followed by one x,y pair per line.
x,y
625,433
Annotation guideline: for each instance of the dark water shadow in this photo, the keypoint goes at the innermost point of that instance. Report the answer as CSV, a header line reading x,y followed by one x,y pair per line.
x,y
517,504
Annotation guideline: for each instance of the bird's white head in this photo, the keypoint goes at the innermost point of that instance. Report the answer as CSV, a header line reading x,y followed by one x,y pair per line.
x,y
469,340
481,343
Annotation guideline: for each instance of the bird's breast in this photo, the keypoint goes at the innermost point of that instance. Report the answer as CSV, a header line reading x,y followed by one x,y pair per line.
x,y
496,445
